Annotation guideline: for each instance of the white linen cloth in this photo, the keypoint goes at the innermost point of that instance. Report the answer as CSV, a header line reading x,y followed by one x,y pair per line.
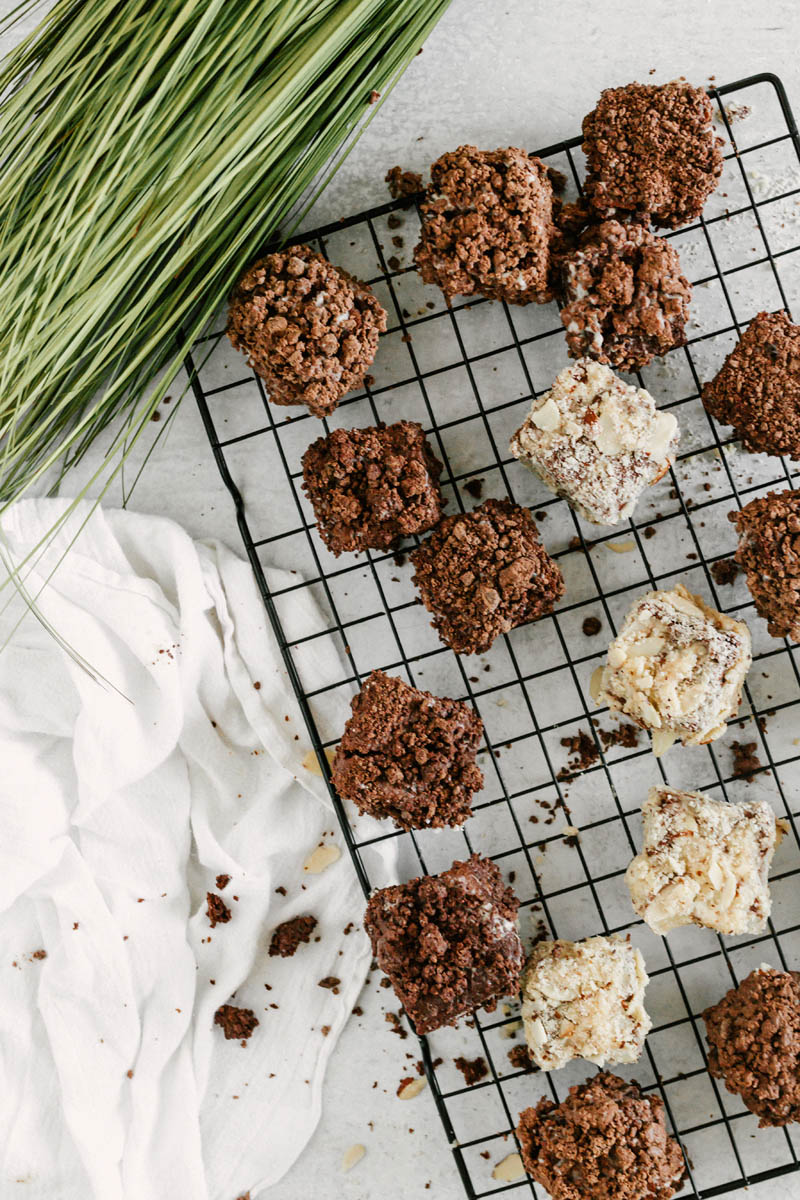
x,y
117,810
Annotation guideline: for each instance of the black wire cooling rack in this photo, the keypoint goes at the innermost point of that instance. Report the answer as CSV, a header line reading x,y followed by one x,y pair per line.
x,y
468,372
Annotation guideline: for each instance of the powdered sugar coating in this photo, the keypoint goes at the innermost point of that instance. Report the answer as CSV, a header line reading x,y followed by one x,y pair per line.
x,y
596,441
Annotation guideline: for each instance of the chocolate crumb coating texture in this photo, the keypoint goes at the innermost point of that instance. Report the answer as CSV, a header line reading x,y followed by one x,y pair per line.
x,y
651,151
606,1141
487,224
483,573
757,390
309,329
626,300
409,755
596,441
676,668
754,1043
448,942
769,552
372,487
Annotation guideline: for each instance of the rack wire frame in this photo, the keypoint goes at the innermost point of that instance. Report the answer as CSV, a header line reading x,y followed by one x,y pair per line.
x,y
729,1126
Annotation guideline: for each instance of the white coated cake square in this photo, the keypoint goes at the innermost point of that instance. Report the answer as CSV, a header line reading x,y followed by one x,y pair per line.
x,y
584,1000
596,441
676,668
704,862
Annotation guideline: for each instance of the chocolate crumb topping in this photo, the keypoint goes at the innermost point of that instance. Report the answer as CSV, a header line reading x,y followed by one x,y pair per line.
x,y
754,1044
309,329
402,184
724,571
371,487
757,391
487,224
769,552
651,151
605,1140
483,573
409,755
448,942
626,299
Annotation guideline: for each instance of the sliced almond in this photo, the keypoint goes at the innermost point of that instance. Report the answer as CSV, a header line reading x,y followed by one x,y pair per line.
x,y
311,762
352,1156
412,1088
509,1169
596,684
662,740
621,547
321,859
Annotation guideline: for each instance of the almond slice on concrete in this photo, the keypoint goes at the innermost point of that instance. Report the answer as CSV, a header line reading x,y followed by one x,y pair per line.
x,y
509,1169
352,1156
413,1088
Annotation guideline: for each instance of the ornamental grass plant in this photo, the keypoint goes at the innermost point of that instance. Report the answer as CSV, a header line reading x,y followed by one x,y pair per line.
x,y
149,150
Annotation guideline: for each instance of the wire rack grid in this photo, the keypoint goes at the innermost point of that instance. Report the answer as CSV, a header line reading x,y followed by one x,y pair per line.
x,y
468,372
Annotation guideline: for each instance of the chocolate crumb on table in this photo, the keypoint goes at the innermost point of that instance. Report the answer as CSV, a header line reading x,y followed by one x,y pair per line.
x,y
473,1069
487,225
745,760
288,936
757,390
371,487
217,910
309,329
591,626
626,300
651,151
754,1044
724,571
520,1059
448,942
483,573
769,552
606,1139
409,755
237,1023
223,881
402,184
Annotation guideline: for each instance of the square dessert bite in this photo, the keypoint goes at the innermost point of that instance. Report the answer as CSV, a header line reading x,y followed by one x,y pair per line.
x,y
676,668
626,300
605,1139
596,441
448,942
371,487
408,755
309,329
704,862
584,1000
769,551
651,150
483,573
487,226
757,390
